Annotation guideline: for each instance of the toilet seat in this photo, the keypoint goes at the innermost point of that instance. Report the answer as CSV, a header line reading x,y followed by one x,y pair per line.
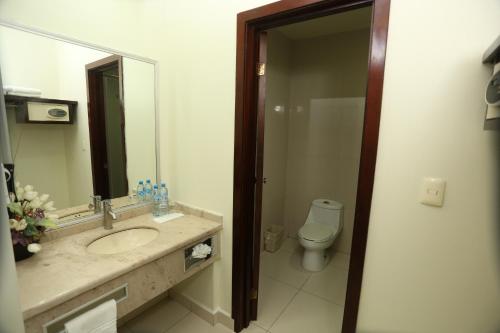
x,y
316,232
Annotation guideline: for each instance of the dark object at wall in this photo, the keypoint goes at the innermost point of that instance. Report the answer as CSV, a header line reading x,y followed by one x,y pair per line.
x,y
21,252
9,176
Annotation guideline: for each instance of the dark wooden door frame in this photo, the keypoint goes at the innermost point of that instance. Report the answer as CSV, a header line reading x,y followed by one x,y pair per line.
x,y
247,177
97,122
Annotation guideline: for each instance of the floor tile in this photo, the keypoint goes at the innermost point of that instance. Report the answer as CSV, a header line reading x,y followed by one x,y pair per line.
x,y
159,318
330,284
308,313
253,329
284,266
291,244
274,296
194,324
340,259
124,329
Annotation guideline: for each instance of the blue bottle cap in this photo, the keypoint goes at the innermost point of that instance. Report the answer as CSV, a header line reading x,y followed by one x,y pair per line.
x,y
163,185
148,180
155,186
141,182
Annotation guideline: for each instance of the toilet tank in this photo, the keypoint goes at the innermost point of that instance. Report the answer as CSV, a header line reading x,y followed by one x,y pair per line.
x,y
327,212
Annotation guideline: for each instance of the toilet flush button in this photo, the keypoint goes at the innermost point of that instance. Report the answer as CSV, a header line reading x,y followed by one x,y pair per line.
x,y
432,191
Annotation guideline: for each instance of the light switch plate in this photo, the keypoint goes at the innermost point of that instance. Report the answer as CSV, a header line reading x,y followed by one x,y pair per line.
x,y
432,191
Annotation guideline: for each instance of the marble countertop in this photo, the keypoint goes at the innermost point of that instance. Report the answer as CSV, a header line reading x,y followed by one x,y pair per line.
x,y
64,268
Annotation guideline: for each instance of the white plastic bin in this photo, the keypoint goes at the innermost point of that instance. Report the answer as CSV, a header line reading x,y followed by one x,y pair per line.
x,y
273,237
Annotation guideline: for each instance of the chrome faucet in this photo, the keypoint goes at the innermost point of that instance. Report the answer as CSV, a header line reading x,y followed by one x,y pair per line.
x,y
109,215
96,204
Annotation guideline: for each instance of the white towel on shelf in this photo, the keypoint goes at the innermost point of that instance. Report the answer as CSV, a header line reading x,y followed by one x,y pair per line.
x,y
12,90
101,319
201,251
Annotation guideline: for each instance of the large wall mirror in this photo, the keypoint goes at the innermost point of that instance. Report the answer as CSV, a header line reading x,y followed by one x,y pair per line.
x,y
82,120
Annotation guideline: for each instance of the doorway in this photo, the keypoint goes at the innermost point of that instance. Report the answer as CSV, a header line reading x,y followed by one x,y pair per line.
x,y
254,27
107,127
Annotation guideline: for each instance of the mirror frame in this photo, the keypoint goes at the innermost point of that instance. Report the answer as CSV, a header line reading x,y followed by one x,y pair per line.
x,y
74,41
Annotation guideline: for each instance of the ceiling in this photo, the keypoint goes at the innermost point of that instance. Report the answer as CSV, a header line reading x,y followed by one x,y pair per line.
x,y
348,21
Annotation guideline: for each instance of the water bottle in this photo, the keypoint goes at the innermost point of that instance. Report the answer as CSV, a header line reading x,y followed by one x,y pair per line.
x,y
156,201
148,191
140,191
164,199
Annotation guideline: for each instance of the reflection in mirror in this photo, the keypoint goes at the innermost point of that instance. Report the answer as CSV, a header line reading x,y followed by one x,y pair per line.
x,y
81,121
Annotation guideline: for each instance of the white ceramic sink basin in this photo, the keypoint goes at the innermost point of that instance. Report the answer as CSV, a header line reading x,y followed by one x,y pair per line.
x,y
122,241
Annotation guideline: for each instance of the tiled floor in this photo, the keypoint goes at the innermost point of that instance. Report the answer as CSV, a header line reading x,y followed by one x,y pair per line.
x,y
291,300
168,316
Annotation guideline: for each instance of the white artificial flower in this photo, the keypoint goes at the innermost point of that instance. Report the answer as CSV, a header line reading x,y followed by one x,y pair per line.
x,y
34,247
13,223
44,197
28,188
36,203
17,184
21,225
19,193
30,195
49,206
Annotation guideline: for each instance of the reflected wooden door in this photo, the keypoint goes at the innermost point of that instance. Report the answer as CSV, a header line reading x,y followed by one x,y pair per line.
x,y
107,127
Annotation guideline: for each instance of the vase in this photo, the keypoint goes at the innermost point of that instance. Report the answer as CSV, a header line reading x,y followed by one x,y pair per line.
x,y
21,252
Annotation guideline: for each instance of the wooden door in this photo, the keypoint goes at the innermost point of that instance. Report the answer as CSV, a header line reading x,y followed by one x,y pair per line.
x,y
259,170
107,134
249,139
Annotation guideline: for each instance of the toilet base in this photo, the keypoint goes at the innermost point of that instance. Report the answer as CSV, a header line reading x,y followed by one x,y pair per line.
x,y
315,260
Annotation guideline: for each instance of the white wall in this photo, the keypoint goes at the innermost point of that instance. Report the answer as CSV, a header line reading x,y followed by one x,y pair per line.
x,y
39,154
197,113
427,269
19,47
139,102
435,269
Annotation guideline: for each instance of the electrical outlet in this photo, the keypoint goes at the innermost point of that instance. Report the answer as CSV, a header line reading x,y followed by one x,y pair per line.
x,y
432,191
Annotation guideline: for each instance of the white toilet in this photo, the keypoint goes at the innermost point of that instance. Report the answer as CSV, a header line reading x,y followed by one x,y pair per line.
x,y
323,225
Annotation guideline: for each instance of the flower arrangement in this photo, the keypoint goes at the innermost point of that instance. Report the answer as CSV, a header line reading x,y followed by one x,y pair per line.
x,y
29,218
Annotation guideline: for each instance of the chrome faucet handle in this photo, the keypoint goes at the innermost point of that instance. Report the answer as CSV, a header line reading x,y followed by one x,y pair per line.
x,y
108,224
96,203
107,208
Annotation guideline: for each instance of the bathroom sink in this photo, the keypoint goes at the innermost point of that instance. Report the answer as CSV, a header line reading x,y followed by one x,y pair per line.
x,y
122,241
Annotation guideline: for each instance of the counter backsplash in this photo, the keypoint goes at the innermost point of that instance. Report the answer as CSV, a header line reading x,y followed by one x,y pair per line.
x,y
97,221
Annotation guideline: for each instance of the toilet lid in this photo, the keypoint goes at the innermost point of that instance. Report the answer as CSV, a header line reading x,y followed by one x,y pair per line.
x,y
316,232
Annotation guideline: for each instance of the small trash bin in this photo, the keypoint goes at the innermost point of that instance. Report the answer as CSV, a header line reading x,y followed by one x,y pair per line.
x,y
273,237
